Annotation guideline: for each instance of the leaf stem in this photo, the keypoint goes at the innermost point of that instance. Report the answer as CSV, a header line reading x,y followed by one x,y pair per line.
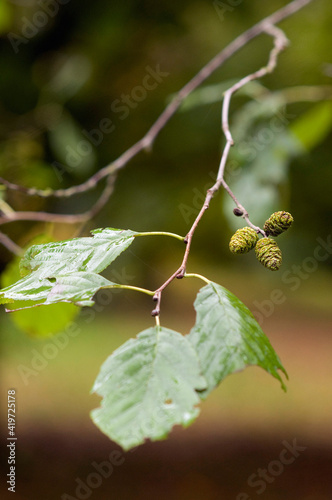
x,y
199,276
161,233
129,287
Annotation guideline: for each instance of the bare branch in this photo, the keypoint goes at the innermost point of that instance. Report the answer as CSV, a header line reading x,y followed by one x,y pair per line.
x,y
63,218
146,142
280,43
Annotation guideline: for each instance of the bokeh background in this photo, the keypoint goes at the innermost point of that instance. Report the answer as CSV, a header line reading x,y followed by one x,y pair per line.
x,y
58,82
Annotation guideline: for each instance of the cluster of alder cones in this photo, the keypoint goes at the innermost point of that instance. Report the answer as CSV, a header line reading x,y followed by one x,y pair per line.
x,y
266,249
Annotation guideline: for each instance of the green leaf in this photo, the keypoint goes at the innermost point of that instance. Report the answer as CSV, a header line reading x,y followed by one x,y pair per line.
x,y
78,254
43,322
36,321
227,338
78,288
149,385
66,271
313,126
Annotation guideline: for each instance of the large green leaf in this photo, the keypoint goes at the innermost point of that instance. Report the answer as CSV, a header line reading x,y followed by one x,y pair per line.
x,y
77,288
227,338
36,321
148,386
66,271
312,127
42,322
79,254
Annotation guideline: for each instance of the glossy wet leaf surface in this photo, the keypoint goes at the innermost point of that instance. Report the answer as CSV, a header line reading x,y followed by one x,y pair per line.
x,y
227,337
67,271
148,385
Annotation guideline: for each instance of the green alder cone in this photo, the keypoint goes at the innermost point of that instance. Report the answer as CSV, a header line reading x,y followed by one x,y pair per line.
x,y
268,253
243,240
278,223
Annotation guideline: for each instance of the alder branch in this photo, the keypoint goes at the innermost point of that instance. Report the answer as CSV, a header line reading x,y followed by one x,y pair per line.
x,y
280,43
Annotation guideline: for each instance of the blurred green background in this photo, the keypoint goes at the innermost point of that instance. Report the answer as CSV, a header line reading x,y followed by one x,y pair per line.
x,y
63,73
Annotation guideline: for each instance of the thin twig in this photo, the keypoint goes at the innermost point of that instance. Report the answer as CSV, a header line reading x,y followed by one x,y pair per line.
x,y
280,43
63,218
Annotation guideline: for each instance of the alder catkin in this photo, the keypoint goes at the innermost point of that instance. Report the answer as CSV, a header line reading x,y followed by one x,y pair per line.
x,y
268,253
278,223
243,240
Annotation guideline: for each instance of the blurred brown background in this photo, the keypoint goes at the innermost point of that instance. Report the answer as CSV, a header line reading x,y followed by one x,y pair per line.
x,y
58,83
